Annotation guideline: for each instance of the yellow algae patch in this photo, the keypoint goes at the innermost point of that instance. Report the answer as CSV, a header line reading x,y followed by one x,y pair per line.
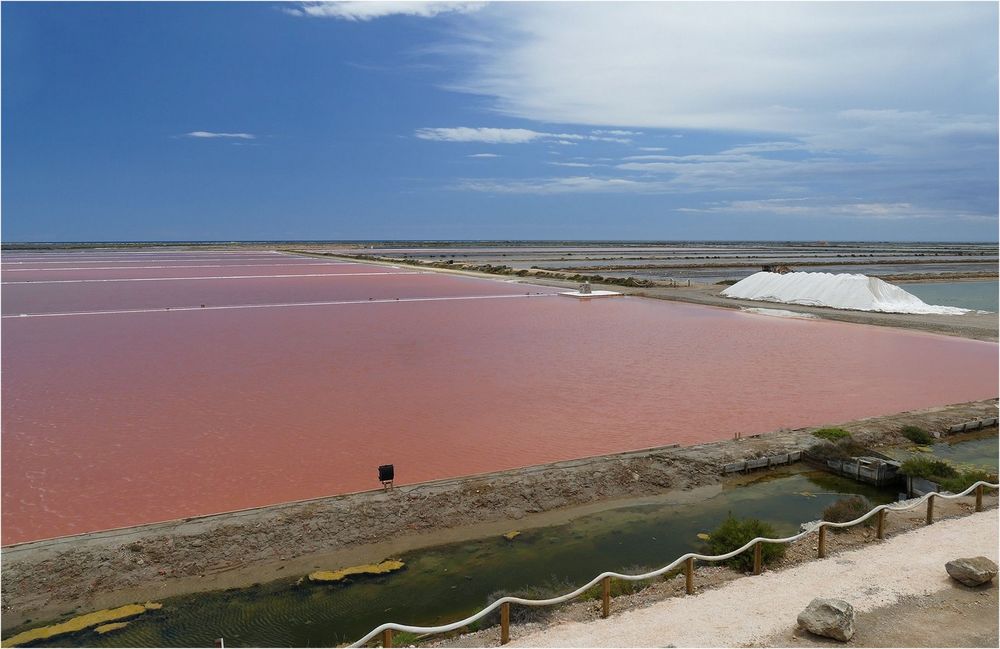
x,y
510,536
75,624
385,567
108,628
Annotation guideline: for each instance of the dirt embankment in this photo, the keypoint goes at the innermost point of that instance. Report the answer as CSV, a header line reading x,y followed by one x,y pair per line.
x,y
45,579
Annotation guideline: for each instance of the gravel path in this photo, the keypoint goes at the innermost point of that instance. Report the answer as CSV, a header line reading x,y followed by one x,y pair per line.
x,y
750,610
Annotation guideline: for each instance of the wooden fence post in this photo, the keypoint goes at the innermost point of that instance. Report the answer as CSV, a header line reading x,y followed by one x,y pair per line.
x,y
822,541
757,557
930,508
606,597
880,533
979,498
387,638
689,575
505,623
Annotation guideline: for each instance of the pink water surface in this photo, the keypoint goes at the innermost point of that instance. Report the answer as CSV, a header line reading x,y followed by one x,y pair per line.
x,y
114,420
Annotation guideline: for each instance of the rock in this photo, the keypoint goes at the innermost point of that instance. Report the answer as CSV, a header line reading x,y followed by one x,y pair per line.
x,y
972,571
831,618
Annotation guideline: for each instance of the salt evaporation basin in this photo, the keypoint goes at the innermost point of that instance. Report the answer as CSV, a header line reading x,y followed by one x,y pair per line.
x,y
838,290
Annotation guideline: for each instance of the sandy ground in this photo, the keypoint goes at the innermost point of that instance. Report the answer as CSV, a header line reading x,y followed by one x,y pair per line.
x,y
761,611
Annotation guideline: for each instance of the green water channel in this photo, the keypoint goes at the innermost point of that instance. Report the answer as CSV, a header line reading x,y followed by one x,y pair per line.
x,y
979,449
443,584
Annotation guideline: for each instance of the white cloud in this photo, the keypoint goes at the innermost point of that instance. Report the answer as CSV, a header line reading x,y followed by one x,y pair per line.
x,y
571,164
483,155
767,147
370,10
651,156
616,131
488,135
572,185
819,208
783,68
653,149
209,134
505,135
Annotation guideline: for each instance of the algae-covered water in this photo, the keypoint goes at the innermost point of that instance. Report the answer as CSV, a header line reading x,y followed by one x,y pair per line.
x,y
980,449
445,583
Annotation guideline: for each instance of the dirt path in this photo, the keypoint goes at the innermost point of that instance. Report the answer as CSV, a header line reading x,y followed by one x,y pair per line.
x,y
761,611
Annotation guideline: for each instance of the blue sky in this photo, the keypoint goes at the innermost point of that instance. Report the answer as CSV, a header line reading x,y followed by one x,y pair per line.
x,y
233,121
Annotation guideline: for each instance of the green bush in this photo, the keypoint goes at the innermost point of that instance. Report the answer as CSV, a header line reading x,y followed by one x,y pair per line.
x,y
847,509
950,477
553,587
928,468
842,449
966,477
831,434
735,533
916,434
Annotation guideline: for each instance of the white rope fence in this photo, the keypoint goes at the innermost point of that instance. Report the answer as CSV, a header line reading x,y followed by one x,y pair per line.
x,y
454,626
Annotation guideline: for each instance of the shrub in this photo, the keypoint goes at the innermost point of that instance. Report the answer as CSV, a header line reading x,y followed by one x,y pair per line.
x,y
950,477
847,509
404,638
735,533
916,434
553,587
928,468
966,477
623,587
842,449
831,434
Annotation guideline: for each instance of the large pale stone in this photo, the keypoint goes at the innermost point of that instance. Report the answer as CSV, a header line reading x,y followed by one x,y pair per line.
x,y
972,571
830,618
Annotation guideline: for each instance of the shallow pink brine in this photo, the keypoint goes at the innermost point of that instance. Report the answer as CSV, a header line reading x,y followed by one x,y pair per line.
x,y
117,419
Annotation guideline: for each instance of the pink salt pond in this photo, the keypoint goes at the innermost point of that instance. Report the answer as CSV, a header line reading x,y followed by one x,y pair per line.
x,y
131,414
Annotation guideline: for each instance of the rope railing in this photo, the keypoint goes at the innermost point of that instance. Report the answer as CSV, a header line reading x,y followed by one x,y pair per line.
x,y
604,579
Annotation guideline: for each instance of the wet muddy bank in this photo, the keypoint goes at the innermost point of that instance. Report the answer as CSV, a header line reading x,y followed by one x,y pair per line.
x,y
46,579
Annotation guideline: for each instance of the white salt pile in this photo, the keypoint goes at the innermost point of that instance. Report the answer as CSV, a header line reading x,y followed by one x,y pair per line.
x,y
840,291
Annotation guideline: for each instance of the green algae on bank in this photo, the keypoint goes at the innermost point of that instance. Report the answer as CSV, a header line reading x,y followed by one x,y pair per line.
x,y
99,619
382,568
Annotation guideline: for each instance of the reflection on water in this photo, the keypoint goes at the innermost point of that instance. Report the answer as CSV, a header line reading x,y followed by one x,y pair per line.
x,y
445,583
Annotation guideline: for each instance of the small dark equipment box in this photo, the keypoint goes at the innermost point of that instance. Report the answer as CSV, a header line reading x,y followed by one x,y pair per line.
x,y
386,473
